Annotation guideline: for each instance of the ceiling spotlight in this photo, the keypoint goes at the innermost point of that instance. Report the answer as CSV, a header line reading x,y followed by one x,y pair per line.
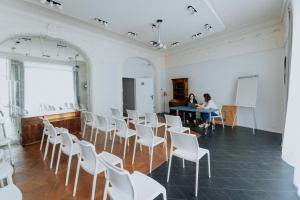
x,y
192,10
195,36
207,27
100,21
52,3
132,34
174,44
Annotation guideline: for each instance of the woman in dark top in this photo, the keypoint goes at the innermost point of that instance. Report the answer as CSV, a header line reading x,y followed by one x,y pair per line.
x,y
191,102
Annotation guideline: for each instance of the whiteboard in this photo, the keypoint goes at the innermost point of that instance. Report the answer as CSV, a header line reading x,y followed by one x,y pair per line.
x,y
247,91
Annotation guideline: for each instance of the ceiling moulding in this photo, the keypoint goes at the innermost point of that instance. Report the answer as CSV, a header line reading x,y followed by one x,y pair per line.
x,y
224,36
46,15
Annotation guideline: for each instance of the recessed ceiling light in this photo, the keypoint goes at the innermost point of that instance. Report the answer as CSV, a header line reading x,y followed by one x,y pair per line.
x,y
197,35
174,44
52,3
207,27
132,34
192,10
100,21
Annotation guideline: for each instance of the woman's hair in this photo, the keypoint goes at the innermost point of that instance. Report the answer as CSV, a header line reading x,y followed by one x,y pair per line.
x,y
207,97
191,94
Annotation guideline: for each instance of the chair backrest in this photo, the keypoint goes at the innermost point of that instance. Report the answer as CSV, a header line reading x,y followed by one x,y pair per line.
x,y
116,113
67,142
151,118
88,116
174,121
88,156
186,142
51,130
119,180
145,132
133,114
102,122
121,127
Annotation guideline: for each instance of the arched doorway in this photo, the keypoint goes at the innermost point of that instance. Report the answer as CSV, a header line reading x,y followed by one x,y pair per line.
x,y
138,85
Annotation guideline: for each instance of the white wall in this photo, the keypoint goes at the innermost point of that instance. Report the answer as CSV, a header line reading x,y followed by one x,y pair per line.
x,y
105,54
137,68
215,66
291,147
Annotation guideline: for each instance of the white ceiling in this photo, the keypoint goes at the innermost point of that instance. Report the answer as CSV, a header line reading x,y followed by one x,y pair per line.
x,y
179,25
40,47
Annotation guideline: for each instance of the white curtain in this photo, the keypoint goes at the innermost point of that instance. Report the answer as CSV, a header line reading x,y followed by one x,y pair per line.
x,y
47,83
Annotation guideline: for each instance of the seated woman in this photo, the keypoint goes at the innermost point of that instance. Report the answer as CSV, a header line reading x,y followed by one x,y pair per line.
x,y
208,104
191,102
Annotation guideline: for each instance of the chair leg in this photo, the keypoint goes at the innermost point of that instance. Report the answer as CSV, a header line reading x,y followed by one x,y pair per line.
x,y
58,159
222,121
183,163
151,159
42,142
94,187
1,183
105,190
134,148
105,140
10,154
52,156
208,163
46,150
68,170
76,178
96,136
164,193
84,130
124,153
169,168
92,134
197,175
112,144
156,131
166,146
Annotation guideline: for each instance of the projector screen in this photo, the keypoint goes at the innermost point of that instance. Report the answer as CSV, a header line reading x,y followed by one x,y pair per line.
x,y
247,91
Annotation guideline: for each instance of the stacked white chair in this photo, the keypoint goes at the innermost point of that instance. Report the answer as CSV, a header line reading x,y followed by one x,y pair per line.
x,y
220,116
70,147
186,146
145,136
121,185
151,120
174,123
5,141
88,121
9,191
116,113
90,162
103,124
133,117
54,138
45,131
123,132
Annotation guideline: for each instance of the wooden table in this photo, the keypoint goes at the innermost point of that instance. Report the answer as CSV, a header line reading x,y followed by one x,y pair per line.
x,y
32,126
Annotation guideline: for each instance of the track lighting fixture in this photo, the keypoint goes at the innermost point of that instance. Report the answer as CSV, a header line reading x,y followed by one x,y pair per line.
x,y
158,44
52,3
100,21
132,34
208,27
195,36
174,44
192,10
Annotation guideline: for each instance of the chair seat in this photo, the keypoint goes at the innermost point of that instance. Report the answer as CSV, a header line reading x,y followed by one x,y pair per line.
x,y
178,129
110,127
129,134
57,141
190,156
75,150
159,124
108,157
146,187
157,140
61,130
5,170
10,192
136,121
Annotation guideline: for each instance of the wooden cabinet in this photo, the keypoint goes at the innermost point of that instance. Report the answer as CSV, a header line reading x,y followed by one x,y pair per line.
x,y
32,126
180,92
229,112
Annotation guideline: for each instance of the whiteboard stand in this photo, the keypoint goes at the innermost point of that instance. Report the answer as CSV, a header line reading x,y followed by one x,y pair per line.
x,y
246,96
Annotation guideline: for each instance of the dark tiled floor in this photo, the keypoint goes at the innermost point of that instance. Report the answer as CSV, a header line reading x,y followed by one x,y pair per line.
x,y
243,167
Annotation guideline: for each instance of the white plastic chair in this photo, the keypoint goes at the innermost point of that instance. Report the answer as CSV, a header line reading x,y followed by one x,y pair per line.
x,y
133,117
116,113
69,147
220,116
5,141
45,131
123,132
88,121
173,123
9,191
145,136
121,185
103,124
54,138
90,162
187,147
152,121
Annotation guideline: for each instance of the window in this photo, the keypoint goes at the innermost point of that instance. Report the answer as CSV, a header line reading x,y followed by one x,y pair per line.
x,y
46,83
